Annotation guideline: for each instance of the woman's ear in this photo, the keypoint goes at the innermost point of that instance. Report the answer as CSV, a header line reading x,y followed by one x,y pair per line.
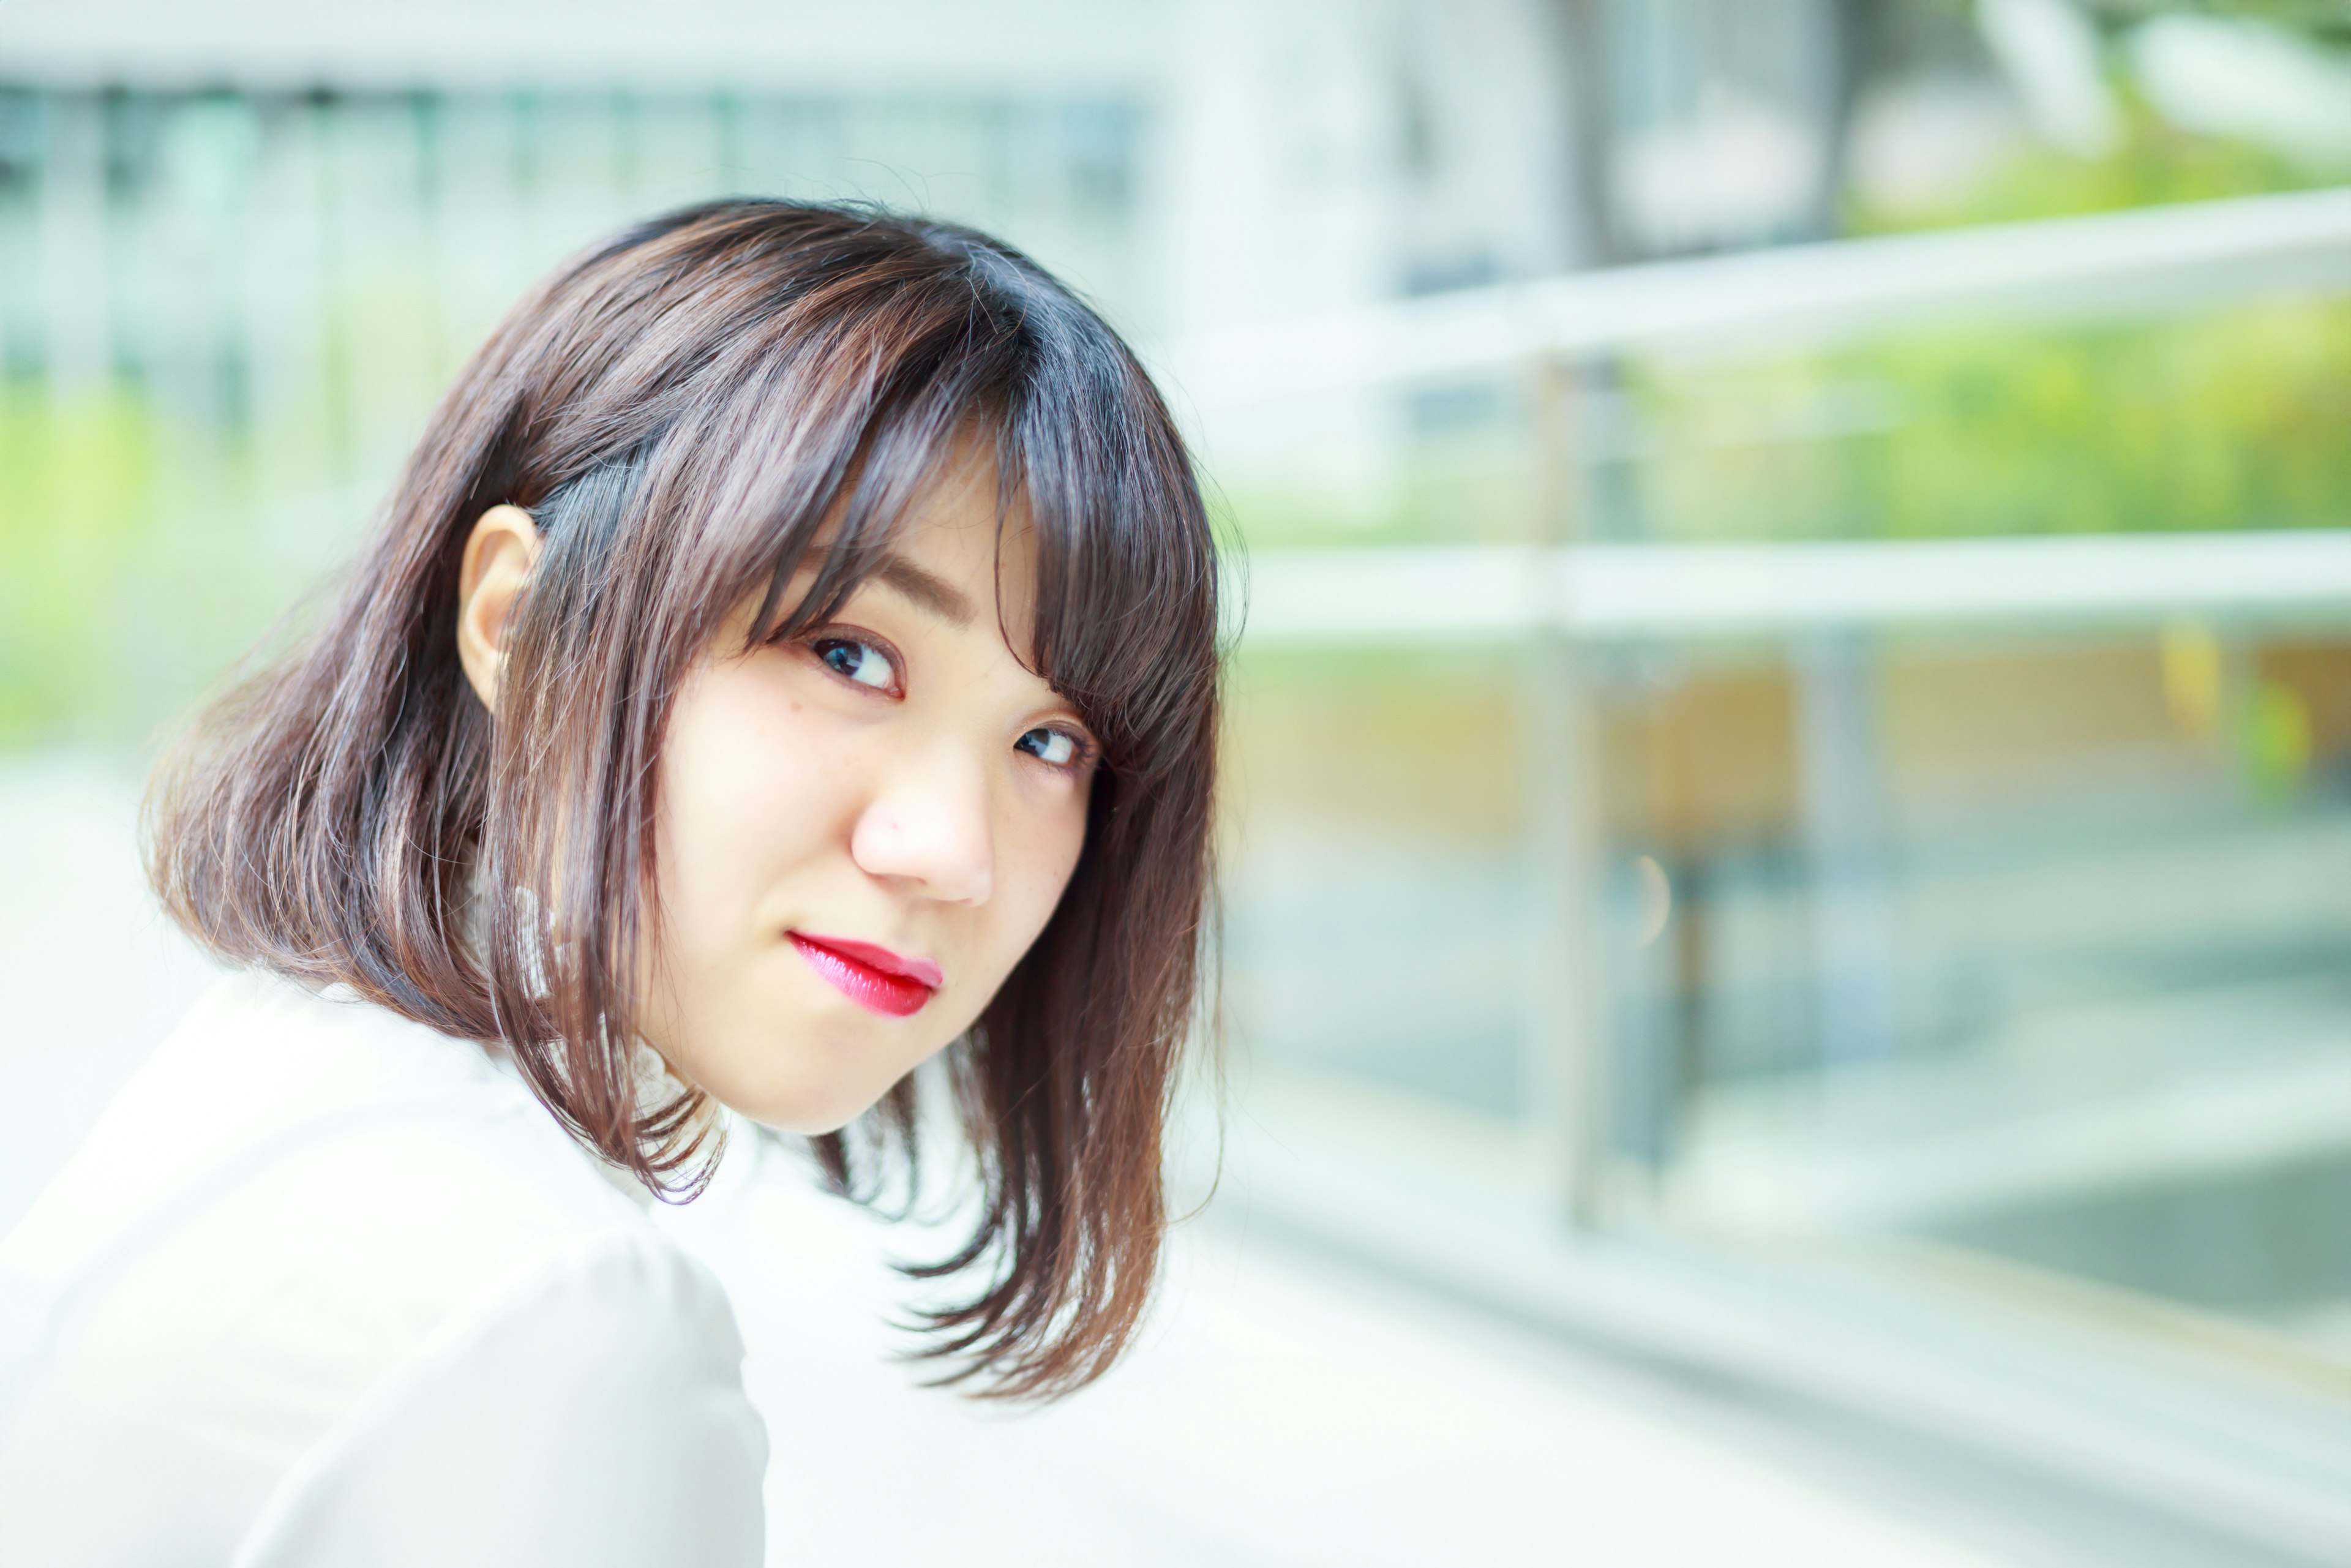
x,y
500,554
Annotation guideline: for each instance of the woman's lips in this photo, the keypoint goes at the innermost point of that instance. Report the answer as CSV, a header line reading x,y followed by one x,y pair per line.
x,y
873,977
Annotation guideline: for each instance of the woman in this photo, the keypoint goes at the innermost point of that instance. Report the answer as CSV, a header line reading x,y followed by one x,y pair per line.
x,y
790,652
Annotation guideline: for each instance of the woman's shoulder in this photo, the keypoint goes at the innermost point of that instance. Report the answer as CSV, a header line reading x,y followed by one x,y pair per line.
x,y
590,1412
581,1405
297,1169
267,1086
303,1210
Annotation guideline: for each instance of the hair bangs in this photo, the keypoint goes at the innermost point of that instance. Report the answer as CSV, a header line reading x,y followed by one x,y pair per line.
x,y
818,459
1126,579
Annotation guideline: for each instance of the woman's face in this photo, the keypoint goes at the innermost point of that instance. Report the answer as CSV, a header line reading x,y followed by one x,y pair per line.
x,y
863,827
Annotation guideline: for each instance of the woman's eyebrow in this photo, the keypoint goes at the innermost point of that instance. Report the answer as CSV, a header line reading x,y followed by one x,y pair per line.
x,y
935,594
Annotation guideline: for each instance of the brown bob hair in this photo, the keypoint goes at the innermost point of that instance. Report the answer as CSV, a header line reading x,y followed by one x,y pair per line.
x,y
683,409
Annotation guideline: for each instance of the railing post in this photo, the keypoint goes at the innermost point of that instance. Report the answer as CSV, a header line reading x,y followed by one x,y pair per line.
x,y
1845,828
1565,1035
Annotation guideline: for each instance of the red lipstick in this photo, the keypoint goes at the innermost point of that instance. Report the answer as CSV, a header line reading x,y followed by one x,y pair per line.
x,y
873,977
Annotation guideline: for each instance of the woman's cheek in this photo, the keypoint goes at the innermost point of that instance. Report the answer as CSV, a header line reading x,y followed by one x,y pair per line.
x,y
743,762
1046,852
734,813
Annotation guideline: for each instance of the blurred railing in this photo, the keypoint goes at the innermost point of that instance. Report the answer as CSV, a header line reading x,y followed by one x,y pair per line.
x,y
1569,608
1624,593
1564,600
2127,263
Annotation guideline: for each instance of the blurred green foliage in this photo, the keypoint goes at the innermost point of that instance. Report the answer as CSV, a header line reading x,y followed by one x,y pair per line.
x,y
2152,164
2273,743
2228,418
2236,417
76,504
2325,21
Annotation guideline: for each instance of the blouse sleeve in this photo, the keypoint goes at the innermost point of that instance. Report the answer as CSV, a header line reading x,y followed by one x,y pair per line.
x,y
591,1414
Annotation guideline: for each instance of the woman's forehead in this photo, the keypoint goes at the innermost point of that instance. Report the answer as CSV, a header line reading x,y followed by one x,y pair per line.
x,y
953,556
989,563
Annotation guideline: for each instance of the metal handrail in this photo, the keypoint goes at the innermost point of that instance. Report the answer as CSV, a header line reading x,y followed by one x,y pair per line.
x,y
1623,593
2151,259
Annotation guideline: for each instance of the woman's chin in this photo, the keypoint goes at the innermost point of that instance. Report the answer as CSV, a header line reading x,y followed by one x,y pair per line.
x,y
807,1111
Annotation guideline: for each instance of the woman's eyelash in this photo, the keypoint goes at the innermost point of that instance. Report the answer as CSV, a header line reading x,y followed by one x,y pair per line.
x,y
859,659
864,660
1082,748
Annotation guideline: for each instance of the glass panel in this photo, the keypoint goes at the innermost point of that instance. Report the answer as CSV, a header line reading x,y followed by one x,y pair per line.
x,y
1373,910
2028,945
2070,981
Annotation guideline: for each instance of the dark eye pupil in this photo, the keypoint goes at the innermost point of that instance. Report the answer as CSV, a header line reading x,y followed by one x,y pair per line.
x,y
844,657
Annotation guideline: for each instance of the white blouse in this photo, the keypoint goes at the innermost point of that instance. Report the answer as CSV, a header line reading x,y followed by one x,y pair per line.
x,y
325,1286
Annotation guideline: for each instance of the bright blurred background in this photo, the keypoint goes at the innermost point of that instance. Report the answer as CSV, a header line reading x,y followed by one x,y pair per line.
x,y
1789,827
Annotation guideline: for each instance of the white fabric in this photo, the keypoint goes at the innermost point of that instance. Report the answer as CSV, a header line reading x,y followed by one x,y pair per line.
x,y
324,1286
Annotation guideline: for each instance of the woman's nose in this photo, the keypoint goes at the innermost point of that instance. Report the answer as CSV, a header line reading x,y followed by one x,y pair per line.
x,y
930,827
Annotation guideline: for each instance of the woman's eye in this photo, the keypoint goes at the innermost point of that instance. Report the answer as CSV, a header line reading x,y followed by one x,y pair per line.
x,y
856,661
1052,747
